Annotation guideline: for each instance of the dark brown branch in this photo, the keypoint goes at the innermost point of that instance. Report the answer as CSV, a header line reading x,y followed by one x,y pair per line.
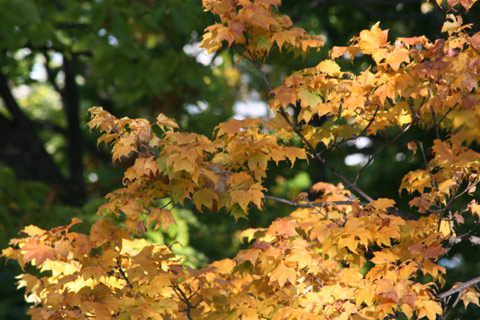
x,y
427,167
434,120
362,133
309,146
320,212
51,75
74,136
35,147
448,206
183,297
446,113
122,273
370,122
459,288
372,157
415,114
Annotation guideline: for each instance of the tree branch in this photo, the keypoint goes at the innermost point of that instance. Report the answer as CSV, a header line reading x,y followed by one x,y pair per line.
x,y
392,211
183,297
370,159
51,75
459,288
427,167
311,149
74,135
35,147
434,121
124,276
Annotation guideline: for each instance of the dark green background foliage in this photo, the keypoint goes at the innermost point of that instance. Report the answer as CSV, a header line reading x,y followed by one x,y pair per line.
x,y
58,58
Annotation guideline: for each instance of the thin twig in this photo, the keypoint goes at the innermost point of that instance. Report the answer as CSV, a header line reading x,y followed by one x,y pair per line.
x,y
320,212
369,123
427,167
417,116
124,276
447,207
370,159
363,132
446,113
435,125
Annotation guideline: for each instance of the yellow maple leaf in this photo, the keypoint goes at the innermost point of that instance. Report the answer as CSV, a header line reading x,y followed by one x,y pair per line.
x,y
164,122
383,203
282,274
32,230
429,309
329,67
384,257
373,39
397,57
470,295
293,153
204,197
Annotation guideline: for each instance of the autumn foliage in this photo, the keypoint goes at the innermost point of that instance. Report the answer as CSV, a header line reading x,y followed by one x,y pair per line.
x,y
342,255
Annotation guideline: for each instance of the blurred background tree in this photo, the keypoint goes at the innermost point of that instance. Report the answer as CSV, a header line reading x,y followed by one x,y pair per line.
x,y
140,58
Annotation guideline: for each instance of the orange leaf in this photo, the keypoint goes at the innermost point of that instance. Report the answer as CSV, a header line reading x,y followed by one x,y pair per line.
x,y
383,203
373,39
165,122
282,274
37,251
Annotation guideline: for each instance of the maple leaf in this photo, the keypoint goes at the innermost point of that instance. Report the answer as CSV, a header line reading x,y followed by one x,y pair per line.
x,y
474,208
250,255
283,227
33,231
329,67
234,126
37,251
204,197
453,24
383,203
475,40
293,153
243,197
282,274
470,295
284,96
412,146
162,218
351,276
63,248
397,57
372,40
384,257
309,98
429,309
132,209
273,3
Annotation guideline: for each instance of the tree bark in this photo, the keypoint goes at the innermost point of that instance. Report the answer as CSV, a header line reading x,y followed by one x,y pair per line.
x,y
73,133
21,147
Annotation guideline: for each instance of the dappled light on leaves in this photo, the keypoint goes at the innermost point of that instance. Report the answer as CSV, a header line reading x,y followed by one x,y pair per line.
x,y
341,254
